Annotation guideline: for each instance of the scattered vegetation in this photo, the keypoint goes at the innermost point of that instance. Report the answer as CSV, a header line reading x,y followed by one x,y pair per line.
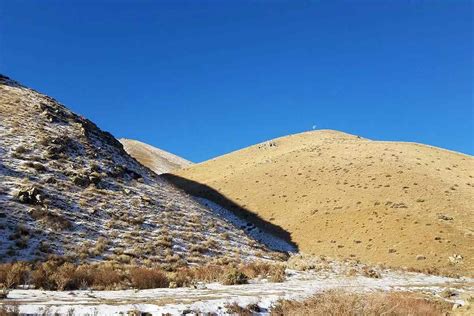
x,y
59,274
349,304
70,184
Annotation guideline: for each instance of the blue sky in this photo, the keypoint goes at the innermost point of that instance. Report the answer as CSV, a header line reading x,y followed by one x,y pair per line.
x,y
203,78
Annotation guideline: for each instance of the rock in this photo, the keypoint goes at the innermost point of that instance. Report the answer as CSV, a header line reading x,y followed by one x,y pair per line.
x,y
371,273
4,293
391,250
146,199
117,171
445,217
81,180
51,180
94,178
448,293
399,205
420,257
455,259
31,195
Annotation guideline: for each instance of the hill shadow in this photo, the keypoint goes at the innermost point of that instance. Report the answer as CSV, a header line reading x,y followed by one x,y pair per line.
x,y
204,191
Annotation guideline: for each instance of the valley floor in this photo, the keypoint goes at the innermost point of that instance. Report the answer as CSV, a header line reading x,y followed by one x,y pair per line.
x,y
214,297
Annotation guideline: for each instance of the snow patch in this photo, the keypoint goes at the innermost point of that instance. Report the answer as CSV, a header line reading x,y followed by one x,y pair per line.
x,y
256,233
213,297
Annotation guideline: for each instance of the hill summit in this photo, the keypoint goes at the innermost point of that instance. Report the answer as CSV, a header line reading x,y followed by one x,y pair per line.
x,y
158,160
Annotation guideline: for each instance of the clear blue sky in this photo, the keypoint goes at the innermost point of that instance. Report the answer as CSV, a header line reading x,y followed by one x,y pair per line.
x,y
202,78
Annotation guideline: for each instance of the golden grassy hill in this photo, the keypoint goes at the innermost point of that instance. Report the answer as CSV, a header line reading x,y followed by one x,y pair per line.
x,y
401,204
157,160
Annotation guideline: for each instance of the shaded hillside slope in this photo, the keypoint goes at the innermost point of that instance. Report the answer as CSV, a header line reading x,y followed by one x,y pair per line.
x,y
401,204
157,160
68,188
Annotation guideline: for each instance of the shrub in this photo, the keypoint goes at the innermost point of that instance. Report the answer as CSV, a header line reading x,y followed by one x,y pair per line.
x,y
4,270
64,277
144,278
234,277
36,166
54,220
236,309
341,303
256,269
19,273
198,249
105,276
208,273
20,149
42,275
277,274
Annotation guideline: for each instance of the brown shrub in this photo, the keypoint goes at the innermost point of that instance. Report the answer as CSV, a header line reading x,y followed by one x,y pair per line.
x,y
58,273
145,278
21,149
55,275
198,248
277,274
41,276
233,277
104,276
255,269
64,277
4,270
236,309
55,221
18,274
349,304
35,165
208,273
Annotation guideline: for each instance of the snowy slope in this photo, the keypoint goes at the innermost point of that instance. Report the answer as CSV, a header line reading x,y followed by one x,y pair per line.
x,y
69,188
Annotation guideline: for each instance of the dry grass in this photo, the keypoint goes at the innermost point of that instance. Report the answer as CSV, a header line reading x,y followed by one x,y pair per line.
x,y
71,183
349,304
234,276
236,309
60,274
156,159
367,198
144,278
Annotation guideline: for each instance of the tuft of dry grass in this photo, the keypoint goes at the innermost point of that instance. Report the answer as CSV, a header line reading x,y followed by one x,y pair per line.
x,y
234,277
338,303
236,309
144,278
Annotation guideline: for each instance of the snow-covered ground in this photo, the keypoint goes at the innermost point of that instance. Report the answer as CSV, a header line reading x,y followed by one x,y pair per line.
x,y
213,297
256,233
